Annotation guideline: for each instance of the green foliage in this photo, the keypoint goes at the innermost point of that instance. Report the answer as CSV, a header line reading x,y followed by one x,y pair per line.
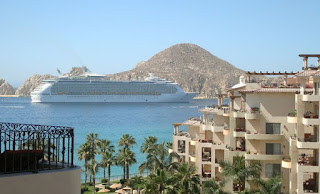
x,y
104,180
122,181
212,187
239,172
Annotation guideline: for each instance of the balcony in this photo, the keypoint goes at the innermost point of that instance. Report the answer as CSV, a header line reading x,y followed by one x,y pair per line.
x,y
292,117
226,112
253,113
311,121
258,156
206,143
217,128
238,114
311,98
239,132
33,148
308,143
206,157
286,163
258,136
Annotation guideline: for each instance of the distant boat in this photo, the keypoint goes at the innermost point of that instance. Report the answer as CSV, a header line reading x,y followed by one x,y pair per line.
x,y
93,88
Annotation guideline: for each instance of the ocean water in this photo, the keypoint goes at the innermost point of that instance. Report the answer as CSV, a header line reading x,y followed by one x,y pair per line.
x,y
109,120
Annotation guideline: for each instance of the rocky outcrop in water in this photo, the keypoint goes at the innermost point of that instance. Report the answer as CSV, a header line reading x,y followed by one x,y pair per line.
x,y
6,88
31,83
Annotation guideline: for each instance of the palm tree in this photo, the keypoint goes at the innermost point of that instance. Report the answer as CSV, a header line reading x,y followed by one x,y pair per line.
x,y
270,186
105,148
186,179
239,172
127,141
92,140
212,187
83,153
93,168
160,182
126,158
149,144
107,161
159,158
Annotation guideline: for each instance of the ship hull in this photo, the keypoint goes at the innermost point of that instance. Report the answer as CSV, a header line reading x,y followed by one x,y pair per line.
x,y
178,97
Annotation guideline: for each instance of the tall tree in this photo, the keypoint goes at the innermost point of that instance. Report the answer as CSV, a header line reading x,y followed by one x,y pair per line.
x,y
105,148
92,140
239,172
126,157
159,158
159,182
270,186
149,145
126,141
84,154
107,161
212,187
186,180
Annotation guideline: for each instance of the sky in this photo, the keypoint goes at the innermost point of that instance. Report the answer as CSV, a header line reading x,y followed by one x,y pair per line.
x,y
37,37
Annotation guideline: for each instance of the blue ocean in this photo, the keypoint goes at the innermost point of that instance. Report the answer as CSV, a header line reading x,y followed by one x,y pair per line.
x,y
109,120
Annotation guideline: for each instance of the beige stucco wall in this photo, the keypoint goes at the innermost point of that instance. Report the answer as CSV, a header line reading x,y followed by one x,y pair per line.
x,y
63,181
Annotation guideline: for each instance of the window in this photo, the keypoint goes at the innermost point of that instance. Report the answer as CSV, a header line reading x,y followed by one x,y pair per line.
x,y
273,128
272,169
273,148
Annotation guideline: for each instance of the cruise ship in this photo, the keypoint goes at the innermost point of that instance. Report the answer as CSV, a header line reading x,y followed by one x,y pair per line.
x,y
94,88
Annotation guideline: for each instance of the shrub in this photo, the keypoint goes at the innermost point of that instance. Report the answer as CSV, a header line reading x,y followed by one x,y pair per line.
x,y
90,183
104,180
122,181
84,189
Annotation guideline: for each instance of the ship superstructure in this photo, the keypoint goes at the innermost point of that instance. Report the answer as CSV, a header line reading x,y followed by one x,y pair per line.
x,y
94,88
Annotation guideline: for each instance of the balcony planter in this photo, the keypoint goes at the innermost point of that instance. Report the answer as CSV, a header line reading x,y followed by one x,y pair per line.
x,y
286,163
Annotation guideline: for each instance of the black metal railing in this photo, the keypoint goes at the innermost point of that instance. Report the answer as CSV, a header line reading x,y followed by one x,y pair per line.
x,y
32,148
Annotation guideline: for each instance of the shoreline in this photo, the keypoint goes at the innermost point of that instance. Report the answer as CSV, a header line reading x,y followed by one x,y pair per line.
x,y
11,96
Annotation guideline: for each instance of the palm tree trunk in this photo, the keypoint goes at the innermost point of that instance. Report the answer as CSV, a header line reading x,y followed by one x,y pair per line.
x,y
109,173
124,171
85,174
94,184
127,166
104,173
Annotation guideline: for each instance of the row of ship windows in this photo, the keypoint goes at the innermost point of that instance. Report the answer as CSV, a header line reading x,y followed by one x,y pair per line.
x,y
162,90
106,93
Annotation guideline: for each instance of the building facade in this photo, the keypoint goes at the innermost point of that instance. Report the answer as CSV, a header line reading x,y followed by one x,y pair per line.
x,y
275,124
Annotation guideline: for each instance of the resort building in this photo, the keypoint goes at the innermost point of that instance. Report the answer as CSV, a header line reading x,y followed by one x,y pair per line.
x,y
37,159
275,124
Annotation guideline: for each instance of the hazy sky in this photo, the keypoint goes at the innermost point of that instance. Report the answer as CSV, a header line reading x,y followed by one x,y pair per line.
x,y
112,36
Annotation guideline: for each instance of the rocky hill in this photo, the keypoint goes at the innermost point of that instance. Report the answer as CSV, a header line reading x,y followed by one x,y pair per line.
x,y
192,67
5,88
31,83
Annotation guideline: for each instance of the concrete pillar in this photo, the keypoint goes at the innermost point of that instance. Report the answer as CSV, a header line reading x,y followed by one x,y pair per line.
x,y
285,80
305,62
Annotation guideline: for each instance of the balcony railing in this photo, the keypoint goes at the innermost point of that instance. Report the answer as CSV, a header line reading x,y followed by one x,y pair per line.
x,y
32,148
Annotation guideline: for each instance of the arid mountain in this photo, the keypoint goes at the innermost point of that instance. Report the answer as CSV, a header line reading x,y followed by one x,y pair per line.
x,y
5,88
192,67
31,83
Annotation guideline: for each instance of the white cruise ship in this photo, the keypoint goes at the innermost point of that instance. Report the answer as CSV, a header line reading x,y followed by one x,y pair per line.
x,y
93,88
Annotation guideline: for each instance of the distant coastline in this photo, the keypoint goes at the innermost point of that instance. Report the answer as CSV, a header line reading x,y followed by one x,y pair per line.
x,y
10,96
